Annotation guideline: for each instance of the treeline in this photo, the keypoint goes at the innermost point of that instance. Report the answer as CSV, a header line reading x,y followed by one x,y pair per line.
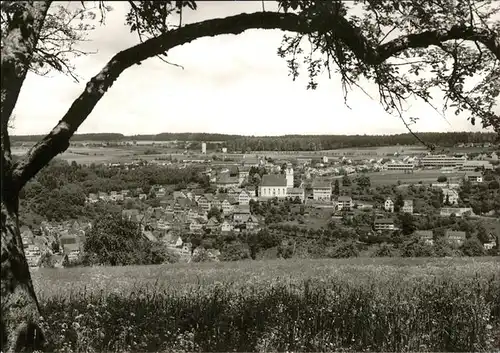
x,y
292,142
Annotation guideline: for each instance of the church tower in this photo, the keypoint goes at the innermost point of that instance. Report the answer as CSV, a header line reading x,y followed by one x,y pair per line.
x,y
289,176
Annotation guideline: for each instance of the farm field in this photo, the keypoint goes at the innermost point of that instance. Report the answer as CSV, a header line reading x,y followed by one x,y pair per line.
x,y
361,304
425,176
88,155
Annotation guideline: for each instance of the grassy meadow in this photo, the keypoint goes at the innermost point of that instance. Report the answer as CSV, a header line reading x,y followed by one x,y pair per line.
x,y
363,304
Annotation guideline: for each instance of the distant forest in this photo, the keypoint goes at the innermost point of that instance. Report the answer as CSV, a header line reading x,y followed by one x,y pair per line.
x,y
288,142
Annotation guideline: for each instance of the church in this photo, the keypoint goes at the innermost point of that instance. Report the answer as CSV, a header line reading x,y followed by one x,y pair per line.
x,y
276,185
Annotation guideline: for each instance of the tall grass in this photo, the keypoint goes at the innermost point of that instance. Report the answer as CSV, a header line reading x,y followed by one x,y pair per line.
x,y
445,305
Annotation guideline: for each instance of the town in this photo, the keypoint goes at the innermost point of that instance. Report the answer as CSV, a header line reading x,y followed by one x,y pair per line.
x,y
349,203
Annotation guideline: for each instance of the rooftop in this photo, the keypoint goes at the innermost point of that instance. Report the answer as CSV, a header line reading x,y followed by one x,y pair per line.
x,y
321,184
276,180
344,198
384,221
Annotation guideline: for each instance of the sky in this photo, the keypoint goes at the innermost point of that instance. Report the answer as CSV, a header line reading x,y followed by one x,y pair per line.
x,y
228,84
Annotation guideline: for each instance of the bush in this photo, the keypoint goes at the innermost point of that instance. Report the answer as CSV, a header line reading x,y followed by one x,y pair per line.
x,y
344,249
201,255
416,248
235,252
472,247
383,250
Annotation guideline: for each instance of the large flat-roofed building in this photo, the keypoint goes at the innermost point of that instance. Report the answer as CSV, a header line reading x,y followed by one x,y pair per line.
x,y
406,167
442,160
471,166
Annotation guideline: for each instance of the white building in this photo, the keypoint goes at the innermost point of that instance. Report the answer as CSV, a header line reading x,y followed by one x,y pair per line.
x,y
406,167
203,148
442,160
296,192
384,224
471,166
273,185
459,212
450,195
389,205
344,203
244,198
322,190
474,177
408,206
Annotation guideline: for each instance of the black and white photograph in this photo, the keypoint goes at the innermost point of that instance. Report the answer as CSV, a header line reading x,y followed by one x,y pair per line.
x,y
250,176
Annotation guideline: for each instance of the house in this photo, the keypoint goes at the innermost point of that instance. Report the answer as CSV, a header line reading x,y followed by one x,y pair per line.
x,y
344,203
103,196
244,198
389,205
212,224
216,202
72,251
294,193
322,190
426,235
196,212
179,195
408,206
382,224
149,236
33,255
457,211
125,193
450,196
455,237
182,205
204,202
241,214
492,242
160,192
474,177
233,192
196,225
93,198
27,236
67,237
273,185
250,191
224,181
226,227
251,222
243,173
304,161
132,215
228,204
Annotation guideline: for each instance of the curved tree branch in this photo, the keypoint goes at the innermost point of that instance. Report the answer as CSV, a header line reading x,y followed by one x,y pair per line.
x,y
57,141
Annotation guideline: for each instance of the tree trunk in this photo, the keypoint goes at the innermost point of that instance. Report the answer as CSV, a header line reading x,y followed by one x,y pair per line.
x,y
20,310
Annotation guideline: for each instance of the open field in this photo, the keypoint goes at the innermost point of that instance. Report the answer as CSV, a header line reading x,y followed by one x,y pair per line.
x,y
302,305
49,282
87,155
426,176
125,154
